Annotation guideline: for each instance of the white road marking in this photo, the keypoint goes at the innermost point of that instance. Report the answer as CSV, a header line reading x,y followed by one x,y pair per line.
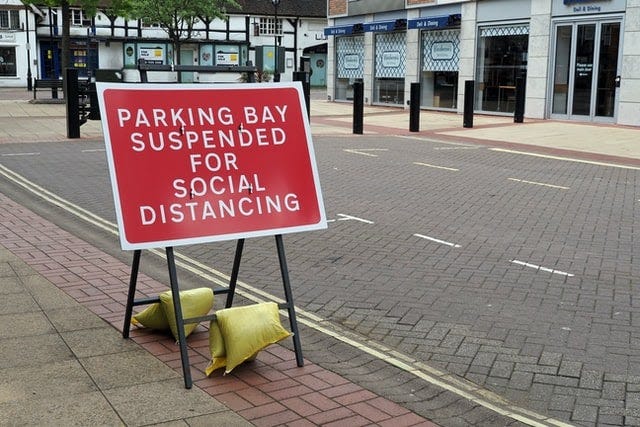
x,y
20,154
446,381
539,183
95,150
433,239
456,148
345,217
537,267
566,159
364,151
437,167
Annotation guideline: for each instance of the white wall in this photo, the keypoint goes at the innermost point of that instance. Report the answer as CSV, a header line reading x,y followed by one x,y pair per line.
x,y
629,106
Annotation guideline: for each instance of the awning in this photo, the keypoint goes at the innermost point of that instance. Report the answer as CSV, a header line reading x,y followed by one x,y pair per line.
x,y
343,30
382,26
434,22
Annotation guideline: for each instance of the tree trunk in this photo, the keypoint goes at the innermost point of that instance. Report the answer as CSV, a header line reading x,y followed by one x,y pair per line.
x,y
66,36
176,52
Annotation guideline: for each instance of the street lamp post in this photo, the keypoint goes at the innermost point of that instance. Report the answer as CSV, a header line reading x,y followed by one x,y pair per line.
x,y
276,71
29,76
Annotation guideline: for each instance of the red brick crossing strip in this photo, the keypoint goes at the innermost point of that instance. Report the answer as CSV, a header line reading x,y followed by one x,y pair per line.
x,y
270,391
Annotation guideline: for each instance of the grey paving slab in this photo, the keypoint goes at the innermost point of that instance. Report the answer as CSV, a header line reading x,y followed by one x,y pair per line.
x,y
23,324
75,317
59,409
42,381
161,401
9,284
126,369
46,296
35,350
97,341
17,303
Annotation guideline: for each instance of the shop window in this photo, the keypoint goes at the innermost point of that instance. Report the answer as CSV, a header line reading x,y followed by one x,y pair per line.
x,y
349,65
390,65
502,59
440,58
8,61
9,20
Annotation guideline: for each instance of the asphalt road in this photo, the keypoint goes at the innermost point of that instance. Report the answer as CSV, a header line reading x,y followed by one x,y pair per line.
x,y
460,262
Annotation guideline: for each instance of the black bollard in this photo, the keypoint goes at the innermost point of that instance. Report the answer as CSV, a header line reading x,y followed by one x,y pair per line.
x,y
71,95
518,115
358,107
303,76
467,120
414,108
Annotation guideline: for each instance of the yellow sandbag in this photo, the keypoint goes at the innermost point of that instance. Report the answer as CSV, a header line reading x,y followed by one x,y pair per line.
x,y
152,317
194,303
217,349
247,330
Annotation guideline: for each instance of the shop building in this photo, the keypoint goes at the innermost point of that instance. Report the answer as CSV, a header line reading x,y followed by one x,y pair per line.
x,y
17,43
578,59
104,41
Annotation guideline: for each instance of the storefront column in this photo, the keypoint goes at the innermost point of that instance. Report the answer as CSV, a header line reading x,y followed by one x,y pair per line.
x,y
412,74
369,55
467,49
629,105
331,67
538,59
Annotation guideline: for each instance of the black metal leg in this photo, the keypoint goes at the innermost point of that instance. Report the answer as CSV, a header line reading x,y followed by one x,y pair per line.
x,y
289,297
234,273
175,295
135,265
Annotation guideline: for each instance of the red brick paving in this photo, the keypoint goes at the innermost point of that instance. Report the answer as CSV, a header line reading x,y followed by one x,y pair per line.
x,y
269,391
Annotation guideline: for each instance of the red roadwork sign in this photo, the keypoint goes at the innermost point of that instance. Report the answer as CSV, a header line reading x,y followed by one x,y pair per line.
x,y
202,163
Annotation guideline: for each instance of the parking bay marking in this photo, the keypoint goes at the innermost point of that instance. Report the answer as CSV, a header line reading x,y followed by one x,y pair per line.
x,y
560,187
566,159
540,268
436,167
20,154
364,151
345,217
431,375
433,239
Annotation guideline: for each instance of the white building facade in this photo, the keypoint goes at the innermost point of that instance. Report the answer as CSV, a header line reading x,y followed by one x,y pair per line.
x,y
17,43
577,59
109,42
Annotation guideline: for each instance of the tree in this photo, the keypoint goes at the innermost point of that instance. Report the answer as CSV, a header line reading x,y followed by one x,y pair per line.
x,y
178,17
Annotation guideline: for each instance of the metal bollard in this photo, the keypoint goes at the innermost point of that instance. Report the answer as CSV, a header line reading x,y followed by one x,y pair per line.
x,y
358,107
303,76
414,108
467,120
518,114
72,103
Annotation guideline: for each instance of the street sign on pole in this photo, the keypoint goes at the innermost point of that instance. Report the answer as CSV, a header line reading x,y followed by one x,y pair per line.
x,y
201,163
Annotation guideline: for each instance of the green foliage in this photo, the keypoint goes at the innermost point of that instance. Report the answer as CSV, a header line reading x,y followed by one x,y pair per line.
x,y
178,17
